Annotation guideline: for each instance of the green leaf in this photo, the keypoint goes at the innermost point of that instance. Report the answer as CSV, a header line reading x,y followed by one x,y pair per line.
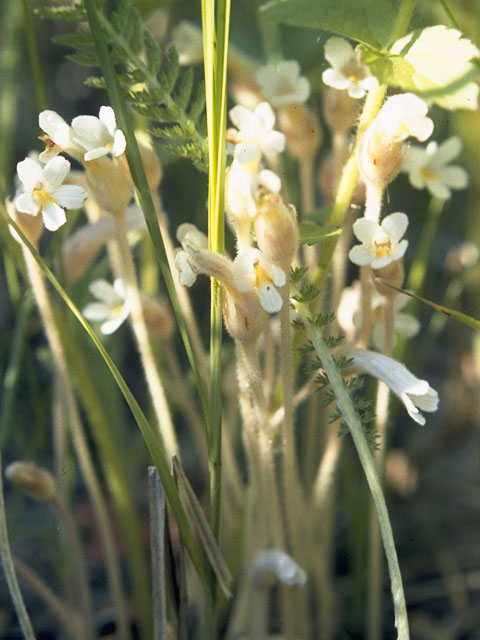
x,y
416,63
464,318
311,233
367,21
195,512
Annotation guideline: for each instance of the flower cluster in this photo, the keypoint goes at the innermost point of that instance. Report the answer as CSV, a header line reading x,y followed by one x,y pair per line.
x,y
253,201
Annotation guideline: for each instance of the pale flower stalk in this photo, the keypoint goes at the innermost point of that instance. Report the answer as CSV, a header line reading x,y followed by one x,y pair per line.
x,y
417,395
45,193
429,168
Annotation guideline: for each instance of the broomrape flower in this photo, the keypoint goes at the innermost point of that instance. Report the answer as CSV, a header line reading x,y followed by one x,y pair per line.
x,y
113,307
187,40
381,150
252,271
99,136
254,133
381,243
45,193
282,84
58,138
347,72
415,394
349,315
429,168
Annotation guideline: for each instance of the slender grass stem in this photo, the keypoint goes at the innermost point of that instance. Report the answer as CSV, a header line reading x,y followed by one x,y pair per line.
x,y
9,569
152,376
144,195
368,464
216,25
34,57
80,442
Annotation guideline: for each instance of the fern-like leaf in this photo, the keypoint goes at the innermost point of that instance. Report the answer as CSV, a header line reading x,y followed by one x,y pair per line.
x,y
154,85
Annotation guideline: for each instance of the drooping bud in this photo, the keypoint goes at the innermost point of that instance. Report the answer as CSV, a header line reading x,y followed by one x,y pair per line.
x,y
301,129
243,314
34,480
276,228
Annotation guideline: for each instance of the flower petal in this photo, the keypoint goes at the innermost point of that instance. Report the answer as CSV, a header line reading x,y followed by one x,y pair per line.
x,y
365,230
53,216
70,196
29,172
26,203
269,297
395,225
55,172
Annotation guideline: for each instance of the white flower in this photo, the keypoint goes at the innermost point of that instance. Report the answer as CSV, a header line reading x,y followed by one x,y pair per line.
x,y
187,40
282,84
252,271
44,192
242,185
346,72
349,315
59,136
99,136
441,57
402,116
381,243
414,393
113,308
254,133
429,168
185,266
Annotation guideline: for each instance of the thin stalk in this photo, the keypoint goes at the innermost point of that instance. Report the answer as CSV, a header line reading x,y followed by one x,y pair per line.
x,y
80,442
9,569
10,57
68,618
34,57
152,376
144,195
117,478
80,567
150,436
368,464
375,566
215,29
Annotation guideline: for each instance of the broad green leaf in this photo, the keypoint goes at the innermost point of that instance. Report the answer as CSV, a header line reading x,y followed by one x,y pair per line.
x,y
311,233
442,74
367,21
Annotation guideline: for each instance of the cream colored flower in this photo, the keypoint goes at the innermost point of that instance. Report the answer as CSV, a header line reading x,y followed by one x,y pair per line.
x,y
252,271
429,168
346,73
254,133
113,307
45,193
349,315
58,138
381,243
99,136
282,84
415,394
187,40
381,149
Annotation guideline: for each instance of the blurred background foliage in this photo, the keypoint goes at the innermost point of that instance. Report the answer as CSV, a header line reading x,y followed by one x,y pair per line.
x,y
433,473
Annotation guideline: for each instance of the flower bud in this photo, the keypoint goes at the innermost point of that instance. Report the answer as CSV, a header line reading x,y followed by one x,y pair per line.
x,y
276,228
301,129
110,183
339,110
393,273
158,318
243,315
32,226
34,480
